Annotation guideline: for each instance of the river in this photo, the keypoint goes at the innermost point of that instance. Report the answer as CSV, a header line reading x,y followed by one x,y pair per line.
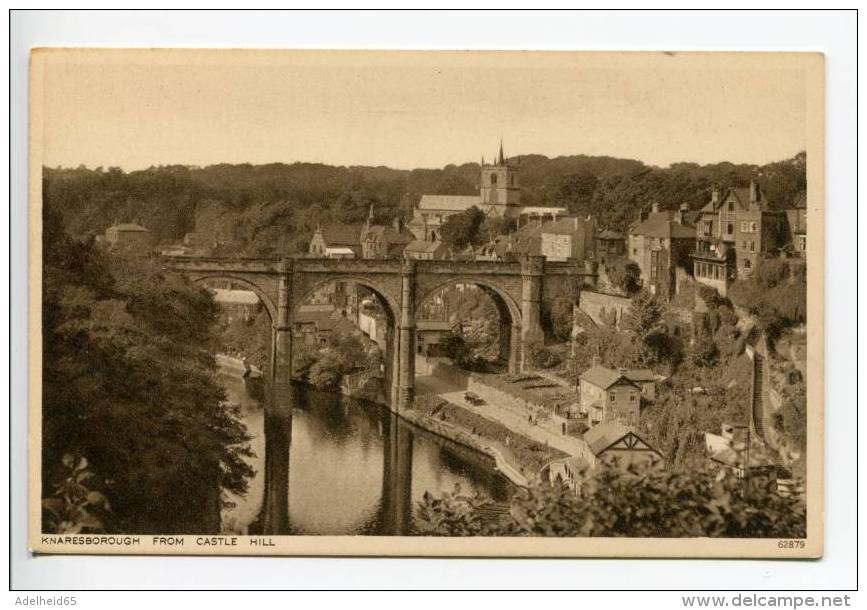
x,y
330,464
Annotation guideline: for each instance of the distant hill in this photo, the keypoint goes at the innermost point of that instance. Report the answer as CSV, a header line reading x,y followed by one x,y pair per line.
x,y
273,208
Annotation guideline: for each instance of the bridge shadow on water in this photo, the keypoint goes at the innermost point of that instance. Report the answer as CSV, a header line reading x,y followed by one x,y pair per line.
x,y
392,514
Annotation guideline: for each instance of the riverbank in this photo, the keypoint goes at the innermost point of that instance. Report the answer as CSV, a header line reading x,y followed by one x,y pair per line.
x,y
517,457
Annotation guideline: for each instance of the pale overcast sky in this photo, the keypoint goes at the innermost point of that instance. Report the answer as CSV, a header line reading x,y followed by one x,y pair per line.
x,y
409,110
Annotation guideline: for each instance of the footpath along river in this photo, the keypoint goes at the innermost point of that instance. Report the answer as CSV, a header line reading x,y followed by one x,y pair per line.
x,y
330,464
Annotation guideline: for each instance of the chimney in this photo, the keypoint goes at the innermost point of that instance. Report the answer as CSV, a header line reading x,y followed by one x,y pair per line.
x,y
654,207
621,371
679,215
597,361
754,192
576,223
398,224
714,195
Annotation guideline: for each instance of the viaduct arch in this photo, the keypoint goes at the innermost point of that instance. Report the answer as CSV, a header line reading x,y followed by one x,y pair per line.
x,y
517,287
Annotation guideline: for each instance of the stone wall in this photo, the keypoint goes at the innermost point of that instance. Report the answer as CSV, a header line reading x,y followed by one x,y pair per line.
x,y
603,309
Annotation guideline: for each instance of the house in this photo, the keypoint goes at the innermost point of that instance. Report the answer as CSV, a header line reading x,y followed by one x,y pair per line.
x,y
609,245
499,196
714,264
425,250
743,221
315,327
430,335
609,395
127,237
614,443
384,241
615,394
243,304
796,218
660,245
342,240
566,238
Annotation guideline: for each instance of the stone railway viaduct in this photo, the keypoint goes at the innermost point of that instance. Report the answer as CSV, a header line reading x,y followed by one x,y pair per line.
x,y
518,289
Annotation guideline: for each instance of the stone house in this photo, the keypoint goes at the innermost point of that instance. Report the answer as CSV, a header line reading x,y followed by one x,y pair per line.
x,y
659,246
425,250
338,238
797,225
608,395
568,238
609,245
742,220
383,241
128,237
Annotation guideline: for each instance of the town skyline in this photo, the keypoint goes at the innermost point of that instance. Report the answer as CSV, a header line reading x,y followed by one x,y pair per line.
x,y
420,111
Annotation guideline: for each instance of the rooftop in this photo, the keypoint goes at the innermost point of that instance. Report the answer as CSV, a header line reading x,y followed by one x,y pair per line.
x,y
127,226
340,234
602,436
448,203
419,245
660,226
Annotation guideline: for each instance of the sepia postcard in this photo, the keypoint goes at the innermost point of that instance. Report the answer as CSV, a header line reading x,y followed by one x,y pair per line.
x,y
426,303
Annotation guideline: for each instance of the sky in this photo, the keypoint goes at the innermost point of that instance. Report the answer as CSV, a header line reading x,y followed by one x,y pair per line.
x,y
409,110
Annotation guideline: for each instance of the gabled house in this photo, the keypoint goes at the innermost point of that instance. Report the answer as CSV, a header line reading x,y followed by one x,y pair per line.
x,y
336,241
566,238
609,245
384,241
608,395
615,443
797,224
660,246
742,220
425,250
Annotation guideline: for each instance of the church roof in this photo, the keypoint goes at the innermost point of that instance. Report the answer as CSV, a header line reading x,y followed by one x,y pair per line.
x,y
449,203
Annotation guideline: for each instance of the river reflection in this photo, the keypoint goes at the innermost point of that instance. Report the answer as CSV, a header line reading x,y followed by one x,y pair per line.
x,y
354,467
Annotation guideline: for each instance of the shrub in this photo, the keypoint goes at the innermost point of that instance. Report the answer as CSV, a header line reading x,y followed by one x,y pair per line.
x,y
631,501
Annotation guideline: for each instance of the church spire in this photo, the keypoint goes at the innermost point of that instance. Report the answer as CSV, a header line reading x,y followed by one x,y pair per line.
x,y
501,160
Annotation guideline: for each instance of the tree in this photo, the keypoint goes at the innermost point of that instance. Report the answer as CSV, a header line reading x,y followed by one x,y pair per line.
x,y
462,229
632,501
130,384
624,275
644,319
559,317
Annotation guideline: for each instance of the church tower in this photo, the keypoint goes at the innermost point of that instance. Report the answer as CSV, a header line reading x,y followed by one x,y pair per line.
x,y
499,185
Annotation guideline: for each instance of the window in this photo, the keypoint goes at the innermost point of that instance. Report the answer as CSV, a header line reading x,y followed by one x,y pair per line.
x,y
730,228
654,263
715,272
752,246
731,206
752,227
744,245
635,252
747,264
493,178
745,226
708,227
632,398
802,242
512,180
612,397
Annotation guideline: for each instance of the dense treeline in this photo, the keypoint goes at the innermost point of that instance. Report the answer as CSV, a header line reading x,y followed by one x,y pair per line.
x,y
267,209
133,417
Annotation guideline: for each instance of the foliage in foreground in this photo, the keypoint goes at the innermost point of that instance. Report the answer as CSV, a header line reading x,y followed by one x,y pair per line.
x,y
635,501
129,381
